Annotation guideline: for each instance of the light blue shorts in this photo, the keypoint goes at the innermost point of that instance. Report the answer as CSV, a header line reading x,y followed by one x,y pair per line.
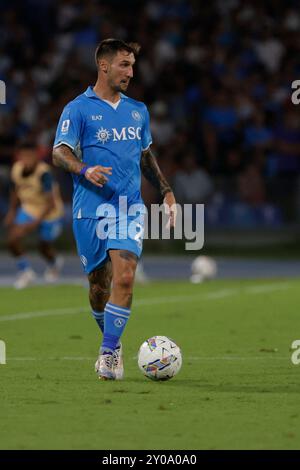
x,y
95,237
48,230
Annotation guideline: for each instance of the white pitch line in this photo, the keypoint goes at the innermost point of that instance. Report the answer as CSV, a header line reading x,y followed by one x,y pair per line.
x,y
267,288
43,313
186,358
44,359
76,310
223,293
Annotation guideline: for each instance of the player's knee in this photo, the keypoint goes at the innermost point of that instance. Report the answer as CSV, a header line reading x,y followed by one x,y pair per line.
x,y
124,280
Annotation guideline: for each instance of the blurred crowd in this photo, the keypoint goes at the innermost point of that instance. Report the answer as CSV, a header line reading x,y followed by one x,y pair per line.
x,y
215,75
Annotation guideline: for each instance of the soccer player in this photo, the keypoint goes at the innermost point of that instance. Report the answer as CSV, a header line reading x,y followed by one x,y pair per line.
x,y
35,204
103,139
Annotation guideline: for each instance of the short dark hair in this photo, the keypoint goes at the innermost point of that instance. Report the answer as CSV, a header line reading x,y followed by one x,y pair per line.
x,y
112,46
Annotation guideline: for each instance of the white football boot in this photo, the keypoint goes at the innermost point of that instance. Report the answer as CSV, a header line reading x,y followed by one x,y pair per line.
x,y
52,272
25,278
104,367
118,363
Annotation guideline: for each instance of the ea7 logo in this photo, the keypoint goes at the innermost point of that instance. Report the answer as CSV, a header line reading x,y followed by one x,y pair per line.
x,y
2,352
2,92
295,358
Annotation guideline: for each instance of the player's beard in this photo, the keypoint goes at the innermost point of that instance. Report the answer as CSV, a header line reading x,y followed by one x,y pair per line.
x,y
122,86
118,85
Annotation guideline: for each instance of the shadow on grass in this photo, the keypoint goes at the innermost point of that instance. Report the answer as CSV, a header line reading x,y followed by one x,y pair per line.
x,y
213,387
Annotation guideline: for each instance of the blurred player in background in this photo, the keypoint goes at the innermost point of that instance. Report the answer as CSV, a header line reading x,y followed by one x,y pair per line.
x,y
35,205
103,138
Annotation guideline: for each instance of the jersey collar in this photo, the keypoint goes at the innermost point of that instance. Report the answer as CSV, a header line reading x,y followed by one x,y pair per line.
x,y
91,94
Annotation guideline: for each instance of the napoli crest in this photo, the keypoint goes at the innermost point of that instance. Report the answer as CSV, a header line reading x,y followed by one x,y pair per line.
x,y
136,115
119,322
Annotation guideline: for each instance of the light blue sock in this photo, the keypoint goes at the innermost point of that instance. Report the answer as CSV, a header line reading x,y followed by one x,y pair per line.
x,y
115,319
99,317
22,263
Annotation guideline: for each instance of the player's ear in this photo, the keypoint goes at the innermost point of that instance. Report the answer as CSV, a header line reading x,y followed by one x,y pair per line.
x,y
103,66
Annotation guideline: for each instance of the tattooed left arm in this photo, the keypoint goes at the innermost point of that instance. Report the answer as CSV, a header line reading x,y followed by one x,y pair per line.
x,y
153,174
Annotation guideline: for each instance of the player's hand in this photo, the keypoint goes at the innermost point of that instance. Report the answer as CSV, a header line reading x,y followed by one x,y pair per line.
x,y
97,174
170,209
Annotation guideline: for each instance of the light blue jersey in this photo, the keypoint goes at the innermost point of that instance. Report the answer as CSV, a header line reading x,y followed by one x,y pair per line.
x,y
98,134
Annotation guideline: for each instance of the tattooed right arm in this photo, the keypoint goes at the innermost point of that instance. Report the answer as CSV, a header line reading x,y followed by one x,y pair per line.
x,y
63,157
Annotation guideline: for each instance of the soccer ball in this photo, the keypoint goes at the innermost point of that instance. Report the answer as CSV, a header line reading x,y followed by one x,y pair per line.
x,y
203,268
159,358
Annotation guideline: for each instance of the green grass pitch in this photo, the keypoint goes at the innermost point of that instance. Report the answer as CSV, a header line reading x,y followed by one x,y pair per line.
x,y
237,388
